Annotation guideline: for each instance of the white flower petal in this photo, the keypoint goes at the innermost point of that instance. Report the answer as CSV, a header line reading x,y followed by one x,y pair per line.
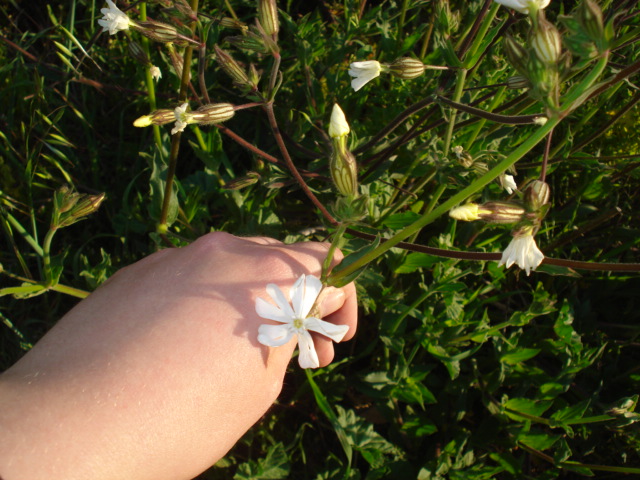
x,y
331,330
114,19
296,296
269,311
524,252
276,294
509,184
338,126
313,287
274,335
308,357
364,72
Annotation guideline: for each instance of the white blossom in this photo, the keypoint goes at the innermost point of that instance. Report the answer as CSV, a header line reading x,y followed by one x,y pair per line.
x,y
509,184
524,252
294,319
524,6
181,118
114,19
338,126
156,73
364,72
467,212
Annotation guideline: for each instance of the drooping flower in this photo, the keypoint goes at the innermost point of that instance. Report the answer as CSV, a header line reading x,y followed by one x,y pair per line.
x,y
524,252
181,118
294,319
156,73
509,183
114,19
338,126
524,6
364,72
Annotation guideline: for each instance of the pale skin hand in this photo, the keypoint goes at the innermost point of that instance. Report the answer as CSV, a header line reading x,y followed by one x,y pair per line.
x,y
158,373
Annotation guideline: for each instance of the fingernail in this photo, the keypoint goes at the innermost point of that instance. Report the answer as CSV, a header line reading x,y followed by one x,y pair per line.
x,y
332,301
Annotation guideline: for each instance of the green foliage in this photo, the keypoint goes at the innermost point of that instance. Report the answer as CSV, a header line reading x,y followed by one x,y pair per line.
x,y
460,369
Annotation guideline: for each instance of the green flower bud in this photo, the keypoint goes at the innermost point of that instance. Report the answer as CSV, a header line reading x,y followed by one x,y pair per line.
x,y
546,41
212,113
518,82
537,195
516,54
407,68
250,41
232,68
157,31
233,23
590,17
343,168
70,207
157,117
501,212
268,16
135,50
242,182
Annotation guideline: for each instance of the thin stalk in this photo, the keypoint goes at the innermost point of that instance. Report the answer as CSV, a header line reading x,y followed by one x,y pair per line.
x,y
460,79
326,265
151,88
46,257
21,230
545,157
403,15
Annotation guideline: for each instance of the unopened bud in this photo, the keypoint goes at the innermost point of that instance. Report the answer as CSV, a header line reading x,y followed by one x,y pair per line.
x,y
268,16
537,195
231,67
407,68
250,41
176,60
212,113
518,82
466,213
516,54
242,182
338,126
157,117
233,23
590,17
86,206
157,31
64,199
501,212
71,207
546,41
136,51
465,158
344,171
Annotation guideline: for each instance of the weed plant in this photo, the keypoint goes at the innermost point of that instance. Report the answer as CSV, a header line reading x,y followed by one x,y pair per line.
x,y
461,368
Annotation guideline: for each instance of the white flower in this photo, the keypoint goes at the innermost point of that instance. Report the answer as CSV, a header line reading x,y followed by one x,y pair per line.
x,y
524,252
338,127
295,321
524,6
181,118
156,73
114,19
364,72
509,184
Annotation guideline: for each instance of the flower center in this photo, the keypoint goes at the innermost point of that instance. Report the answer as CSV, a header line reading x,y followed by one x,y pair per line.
x,y
298,323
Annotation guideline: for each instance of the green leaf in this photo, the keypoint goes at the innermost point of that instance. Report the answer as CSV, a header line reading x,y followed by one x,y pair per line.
x,y
520,355
348,260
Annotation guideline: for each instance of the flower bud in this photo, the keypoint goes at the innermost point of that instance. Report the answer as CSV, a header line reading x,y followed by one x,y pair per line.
x,y
135,50
466,213
465,158
157,31
86,206
501,212
157,117
233,23
70,207
518,82
516,54
590,17
212,113
232,68
242,182
250,41
546,41
268,16
407,68
537,195
176,60
338,127
344,170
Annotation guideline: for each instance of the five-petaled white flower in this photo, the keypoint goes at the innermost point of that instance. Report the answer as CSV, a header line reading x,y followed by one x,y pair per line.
x,y
338,126
524,6
181,118
524,252
296,320
114,19
364,72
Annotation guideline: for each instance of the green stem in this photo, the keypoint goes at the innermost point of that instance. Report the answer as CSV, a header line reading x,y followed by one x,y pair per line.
x,y
151,88
326,265
74,292
478,39
21,230
460,79
46,257
403,15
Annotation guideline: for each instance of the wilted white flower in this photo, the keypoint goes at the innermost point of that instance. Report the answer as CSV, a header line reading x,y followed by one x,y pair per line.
x,y
509,183
467,212
524,252
524,6
114,19
296,320
156,73
364,72
338,127
181,118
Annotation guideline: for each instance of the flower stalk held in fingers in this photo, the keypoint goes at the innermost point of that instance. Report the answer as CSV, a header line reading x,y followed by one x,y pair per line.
x,y
296,318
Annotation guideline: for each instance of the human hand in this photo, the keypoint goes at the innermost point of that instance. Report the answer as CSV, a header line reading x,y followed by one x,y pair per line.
x,y
158,372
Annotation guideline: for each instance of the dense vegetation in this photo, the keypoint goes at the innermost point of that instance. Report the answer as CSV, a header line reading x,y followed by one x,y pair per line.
x,y
461,368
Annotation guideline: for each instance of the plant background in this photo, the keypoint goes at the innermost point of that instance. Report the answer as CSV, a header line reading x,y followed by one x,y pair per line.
x,y
460,369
